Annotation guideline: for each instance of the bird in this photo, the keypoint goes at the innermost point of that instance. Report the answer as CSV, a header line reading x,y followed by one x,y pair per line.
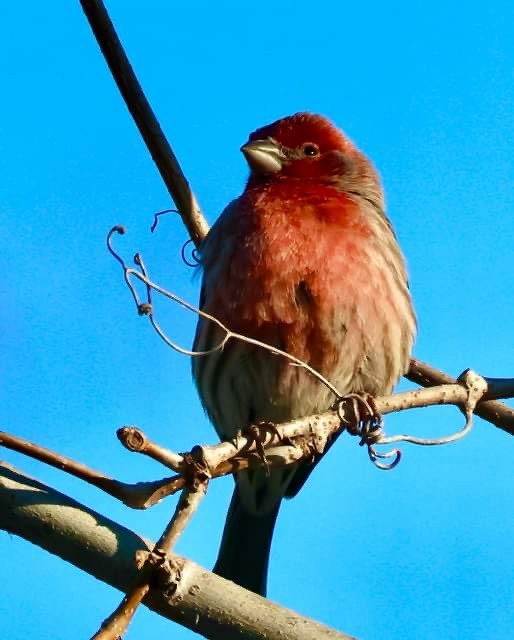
x,y
304,260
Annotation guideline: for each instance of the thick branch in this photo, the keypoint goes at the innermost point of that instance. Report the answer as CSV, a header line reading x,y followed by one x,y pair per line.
x,y
202,601
145,119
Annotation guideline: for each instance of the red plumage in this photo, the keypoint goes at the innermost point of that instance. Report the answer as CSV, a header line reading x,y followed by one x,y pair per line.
x,y
305,260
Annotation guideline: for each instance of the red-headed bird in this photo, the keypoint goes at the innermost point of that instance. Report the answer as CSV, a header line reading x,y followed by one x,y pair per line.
x,y
307,261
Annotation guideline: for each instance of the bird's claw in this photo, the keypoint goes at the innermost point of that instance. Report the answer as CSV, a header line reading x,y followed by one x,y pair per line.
x,y
366,422
364,419
258,434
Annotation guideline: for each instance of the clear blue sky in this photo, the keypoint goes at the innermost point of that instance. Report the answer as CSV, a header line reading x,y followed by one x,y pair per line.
x,y
427,90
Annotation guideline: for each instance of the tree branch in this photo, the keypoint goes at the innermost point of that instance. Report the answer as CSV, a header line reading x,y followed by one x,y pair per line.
x,y
145,119
201,601
137,495
285,444
116,625
495,412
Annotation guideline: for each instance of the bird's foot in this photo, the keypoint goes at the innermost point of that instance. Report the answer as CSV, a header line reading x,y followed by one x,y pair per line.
x,y
260,434
359,415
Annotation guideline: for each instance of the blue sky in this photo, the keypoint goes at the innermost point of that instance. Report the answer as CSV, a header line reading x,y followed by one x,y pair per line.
x,y
427,91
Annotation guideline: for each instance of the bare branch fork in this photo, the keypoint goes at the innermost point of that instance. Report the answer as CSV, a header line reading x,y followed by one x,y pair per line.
x,y
181,590
156,562
287,443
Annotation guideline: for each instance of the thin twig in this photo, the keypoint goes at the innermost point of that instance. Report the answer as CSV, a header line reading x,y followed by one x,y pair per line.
x,y
477,387
145,119
232,456
139,495
136,440
306,434
116,625
322,428
221,460
310,435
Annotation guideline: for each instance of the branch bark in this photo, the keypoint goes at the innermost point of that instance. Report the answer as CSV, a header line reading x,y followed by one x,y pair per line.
x,y
145,119
286,443
116,625
495,412
201,601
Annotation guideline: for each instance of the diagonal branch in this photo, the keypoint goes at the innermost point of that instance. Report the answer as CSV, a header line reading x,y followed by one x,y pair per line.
x,y
201,601
145,119
155,562
138,495
287,443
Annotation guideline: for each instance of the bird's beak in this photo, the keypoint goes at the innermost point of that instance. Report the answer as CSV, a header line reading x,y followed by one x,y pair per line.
x,y
264,156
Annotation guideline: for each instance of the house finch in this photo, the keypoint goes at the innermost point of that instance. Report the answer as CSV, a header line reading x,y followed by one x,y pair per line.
x,y
304,260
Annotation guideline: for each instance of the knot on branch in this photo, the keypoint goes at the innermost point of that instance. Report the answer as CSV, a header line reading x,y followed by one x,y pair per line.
x,y
195,469
476,386
310,448
165,572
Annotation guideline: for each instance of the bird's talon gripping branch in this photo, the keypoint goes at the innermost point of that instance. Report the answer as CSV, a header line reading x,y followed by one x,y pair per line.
x,y
366,422
260,434
359,416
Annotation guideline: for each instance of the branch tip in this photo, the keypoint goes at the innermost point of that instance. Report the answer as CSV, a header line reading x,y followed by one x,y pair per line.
x,y
132,438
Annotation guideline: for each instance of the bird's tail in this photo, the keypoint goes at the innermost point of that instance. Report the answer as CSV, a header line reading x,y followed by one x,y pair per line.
x,y
245,546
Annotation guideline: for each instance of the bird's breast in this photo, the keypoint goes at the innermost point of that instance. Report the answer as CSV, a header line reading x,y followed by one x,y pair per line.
x,y
314,276
302,256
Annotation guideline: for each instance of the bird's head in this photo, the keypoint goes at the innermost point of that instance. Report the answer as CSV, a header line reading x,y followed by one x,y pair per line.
x,y
307,147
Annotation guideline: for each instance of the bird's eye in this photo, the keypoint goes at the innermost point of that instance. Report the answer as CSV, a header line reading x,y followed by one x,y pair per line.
x,y
310,150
